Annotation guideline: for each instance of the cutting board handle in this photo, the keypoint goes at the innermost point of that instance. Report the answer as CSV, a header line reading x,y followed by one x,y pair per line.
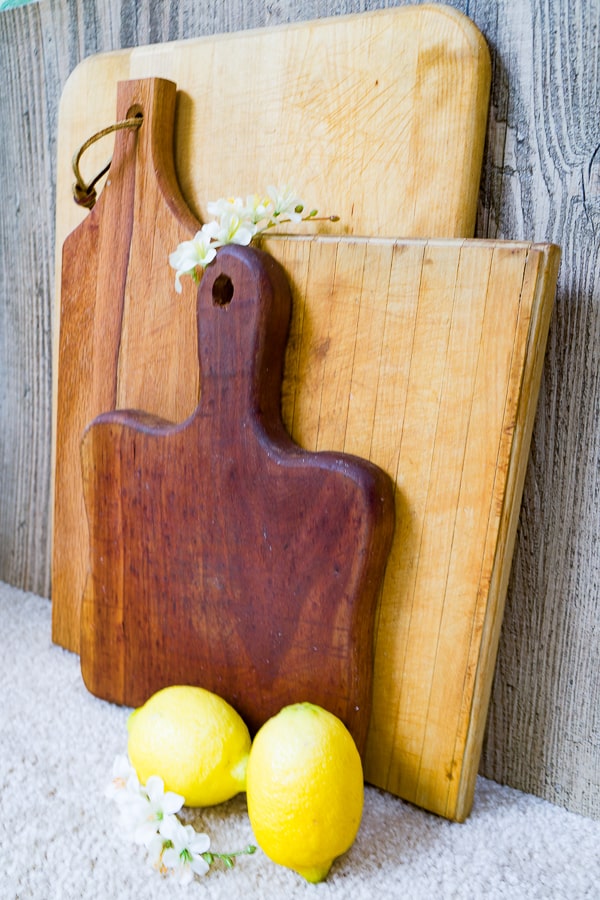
x,y
243,318
148,150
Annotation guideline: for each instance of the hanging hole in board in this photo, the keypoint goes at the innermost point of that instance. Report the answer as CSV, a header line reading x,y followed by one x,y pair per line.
x,y
222,290
135,112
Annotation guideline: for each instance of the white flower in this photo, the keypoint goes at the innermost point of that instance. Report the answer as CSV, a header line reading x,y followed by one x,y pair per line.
x,y
142,809
148,814
155,848
197,252
123,779
223,205
158,805
237,222
234,228
129,795
287,206
183,853
258,209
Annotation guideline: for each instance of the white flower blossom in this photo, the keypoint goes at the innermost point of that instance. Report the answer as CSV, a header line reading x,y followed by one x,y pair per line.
x,y
237,222
148,816
258,209
184,849
155,848
223,205
141,808
287,205
124,779
159,804
129,795
197,252
233,228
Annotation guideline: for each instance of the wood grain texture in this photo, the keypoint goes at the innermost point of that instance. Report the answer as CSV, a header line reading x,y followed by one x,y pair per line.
x,y
26,274
341,112
223,554
540,181
111,261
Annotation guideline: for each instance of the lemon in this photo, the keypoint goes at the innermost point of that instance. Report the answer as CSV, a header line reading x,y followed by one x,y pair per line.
x,y
194,740
305,790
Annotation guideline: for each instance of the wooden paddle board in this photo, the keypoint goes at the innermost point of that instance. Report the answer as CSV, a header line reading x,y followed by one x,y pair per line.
x,y
221,553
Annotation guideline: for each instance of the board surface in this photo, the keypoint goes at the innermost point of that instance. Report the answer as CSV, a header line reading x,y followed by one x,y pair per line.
x,y
439,388
378,117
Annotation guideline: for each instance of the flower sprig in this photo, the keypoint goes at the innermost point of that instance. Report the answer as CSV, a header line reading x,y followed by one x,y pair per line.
x,y
238,222
149,817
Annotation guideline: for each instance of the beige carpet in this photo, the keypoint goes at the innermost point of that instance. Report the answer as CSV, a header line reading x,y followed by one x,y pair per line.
x,y
60,837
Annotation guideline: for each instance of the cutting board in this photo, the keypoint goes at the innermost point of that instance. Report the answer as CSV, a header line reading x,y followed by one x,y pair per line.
x,y
378,117
423,356
426,357
222,554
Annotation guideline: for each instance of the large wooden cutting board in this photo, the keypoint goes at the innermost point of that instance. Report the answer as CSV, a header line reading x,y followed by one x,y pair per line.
x,y
378,117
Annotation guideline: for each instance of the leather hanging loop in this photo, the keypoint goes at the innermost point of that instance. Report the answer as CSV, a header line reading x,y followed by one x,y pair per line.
x,y
84,193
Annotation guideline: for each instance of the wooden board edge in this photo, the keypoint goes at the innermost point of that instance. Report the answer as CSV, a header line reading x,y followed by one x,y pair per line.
x,y
548,261
479,78
84,69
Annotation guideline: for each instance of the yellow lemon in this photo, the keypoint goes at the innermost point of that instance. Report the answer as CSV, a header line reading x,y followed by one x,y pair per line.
x,y
194,740
305,789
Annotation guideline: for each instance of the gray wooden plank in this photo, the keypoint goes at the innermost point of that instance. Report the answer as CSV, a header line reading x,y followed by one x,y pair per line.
x,y
540,183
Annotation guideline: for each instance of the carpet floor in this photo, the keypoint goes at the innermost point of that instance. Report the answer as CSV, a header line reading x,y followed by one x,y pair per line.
x,y
60,837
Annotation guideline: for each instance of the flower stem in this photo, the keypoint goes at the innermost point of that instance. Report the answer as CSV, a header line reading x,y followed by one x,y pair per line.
x,y
228,858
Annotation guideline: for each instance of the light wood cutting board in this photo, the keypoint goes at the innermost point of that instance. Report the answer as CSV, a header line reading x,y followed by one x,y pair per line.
x,y
378,117
426,357
421,355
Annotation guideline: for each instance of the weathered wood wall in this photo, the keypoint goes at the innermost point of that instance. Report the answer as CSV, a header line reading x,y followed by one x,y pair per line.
x,y
541,181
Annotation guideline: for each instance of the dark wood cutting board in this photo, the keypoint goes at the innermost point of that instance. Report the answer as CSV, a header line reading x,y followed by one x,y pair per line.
x,y
223,554
118,297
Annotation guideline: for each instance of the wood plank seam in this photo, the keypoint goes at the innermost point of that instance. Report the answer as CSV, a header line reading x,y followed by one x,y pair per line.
x,y
400,692
454,761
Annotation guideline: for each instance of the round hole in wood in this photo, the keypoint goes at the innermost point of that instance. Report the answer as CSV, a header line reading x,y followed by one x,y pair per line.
x,y
135,112
222,290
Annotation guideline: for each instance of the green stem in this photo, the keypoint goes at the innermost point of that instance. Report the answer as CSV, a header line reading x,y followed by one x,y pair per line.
x,y
228,858
312,217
